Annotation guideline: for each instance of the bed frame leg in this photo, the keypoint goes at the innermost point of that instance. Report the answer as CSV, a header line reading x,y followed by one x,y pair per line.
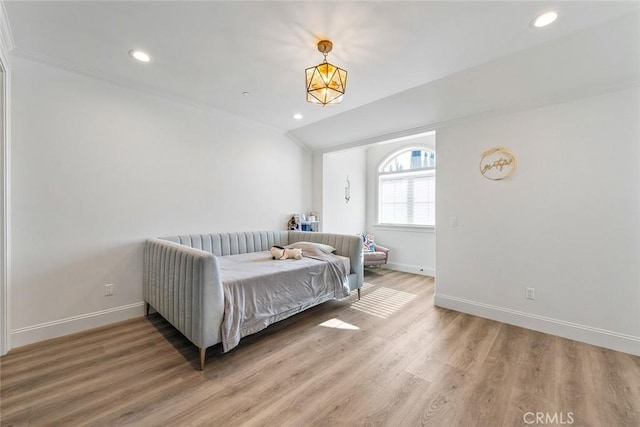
x,y
203,353
358,294
148,307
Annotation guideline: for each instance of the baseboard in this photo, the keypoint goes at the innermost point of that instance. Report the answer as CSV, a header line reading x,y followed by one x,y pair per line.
x,y
414,269
71,325
587,334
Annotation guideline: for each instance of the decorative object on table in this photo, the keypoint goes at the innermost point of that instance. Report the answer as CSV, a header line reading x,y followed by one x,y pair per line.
x,y
292,224
301,222
497,163
326,83
312,223
347,191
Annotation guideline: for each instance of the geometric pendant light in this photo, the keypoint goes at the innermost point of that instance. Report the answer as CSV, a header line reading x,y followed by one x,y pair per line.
x,y
326,83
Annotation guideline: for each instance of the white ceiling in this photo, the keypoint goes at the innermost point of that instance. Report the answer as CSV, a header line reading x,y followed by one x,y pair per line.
x,y
209,52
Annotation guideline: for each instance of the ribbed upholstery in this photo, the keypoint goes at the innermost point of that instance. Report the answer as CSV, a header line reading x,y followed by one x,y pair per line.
x,y
183,283
222,244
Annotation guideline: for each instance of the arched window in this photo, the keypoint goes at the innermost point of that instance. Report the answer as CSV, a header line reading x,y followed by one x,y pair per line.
x,y
407,188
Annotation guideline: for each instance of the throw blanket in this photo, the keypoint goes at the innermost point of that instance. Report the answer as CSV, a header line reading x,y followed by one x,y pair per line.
x,y
259,291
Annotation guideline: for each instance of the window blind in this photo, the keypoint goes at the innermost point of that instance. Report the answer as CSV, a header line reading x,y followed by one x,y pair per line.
x,y
407,198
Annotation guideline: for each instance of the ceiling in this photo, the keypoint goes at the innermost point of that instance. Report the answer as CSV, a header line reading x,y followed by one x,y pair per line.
x,y
209,52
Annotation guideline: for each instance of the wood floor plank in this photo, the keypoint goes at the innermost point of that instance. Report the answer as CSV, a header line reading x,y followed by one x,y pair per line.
x,y
619,392
345,368
392,359
576,389
392,402
539,364
523,406
489,393
442,401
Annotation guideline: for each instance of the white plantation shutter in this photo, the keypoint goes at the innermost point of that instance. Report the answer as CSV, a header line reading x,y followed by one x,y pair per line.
x,y
407,196
424,199
393,201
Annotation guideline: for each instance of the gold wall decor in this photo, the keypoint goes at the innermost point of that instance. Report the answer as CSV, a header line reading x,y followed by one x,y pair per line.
x,y
497,163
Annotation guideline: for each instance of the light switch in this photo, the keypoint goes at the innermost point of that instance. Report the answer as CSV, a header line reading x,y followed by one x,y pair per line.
x,y
453,221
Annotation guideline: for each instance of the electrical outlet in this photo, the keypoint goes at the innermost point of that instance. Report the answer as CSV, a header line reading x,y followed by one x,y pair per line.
x,y
530,293
108,290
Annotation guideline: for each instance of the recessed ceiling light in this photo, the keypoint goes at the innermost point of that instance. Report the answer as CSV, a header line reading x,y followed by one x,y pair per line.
x,y
140,55
297,116
545,19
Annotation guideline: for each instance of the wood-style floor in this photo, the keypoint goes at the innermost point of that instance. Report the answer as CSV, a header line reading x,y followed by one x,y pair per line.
x,y
392,359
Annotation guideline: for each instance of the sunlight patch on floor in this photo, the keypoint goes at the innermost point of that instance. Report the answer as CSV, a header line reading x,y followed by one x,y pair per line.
x,y
338,324
382,302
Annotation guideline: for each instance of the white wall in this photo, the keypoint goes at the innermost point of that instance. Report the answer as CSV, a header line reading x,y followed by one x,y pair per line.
x,y
412,249
567,223
338,216
98,168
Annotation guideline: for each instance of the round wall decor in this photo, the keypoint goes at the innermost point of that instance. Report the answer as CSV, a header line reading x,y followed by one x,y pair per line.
x,y
497,163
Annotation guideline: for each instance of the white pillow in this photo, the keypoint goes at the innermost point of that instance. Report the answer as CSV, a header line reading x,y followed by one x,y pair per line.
x,y
324,248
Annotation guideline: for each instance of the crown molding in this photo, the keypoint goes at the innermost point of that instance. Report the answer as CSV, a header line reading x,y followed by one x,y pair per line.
x,y
135,86
293,138
6,36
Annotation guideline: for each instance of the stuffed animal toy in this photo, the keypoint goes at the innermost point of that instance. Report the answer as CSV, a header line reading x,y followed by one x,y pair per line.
x,y
278,252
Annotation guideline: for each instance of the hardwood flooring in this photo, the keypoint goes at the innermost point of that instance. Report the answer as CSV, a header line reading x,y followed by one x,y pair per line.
x,y
391,359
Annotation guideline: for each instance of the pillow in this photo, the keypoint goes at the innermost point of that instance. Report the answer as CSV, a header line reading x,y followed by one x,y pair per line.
x,y
368,244
324,248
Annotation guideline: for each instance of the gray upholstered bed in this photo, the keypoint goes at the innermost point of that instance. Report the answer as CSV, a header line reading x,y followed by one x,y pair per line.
x,y
217,288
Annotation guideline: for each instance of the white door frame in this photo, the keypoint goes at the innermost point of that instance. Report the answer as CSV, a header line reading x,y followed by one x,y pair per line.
x,y
6,45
